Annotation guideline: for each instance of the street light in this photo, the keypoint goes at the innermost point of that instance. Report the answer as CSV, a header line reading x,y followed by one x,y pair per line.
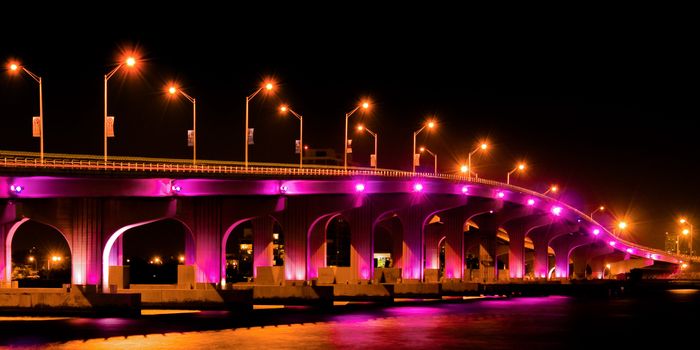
x,y
364,106
15,67
360,128
483,146
172,90
600,208
434,156
621,227
301,132
430,125
553,188
129,62
268,87
688,233
520,167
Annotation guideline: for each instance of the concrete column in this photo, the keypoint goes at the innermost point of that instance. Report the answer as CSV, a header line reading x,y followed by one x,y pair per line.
x,y
361,258
412,256
541,263
433,234
454,245
563,245
207,232
517,230
263,254
87,242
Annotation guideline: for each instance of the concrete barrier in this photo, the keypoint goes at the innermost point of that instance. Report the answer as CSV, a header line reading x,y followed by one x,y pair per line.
x,y
74,300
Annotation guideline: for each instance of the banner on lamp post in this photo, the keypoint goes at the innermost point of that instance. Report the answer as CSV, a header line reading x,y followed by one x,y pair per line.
x,y
416,159
190,138
250,136
36,127
109,126
373,160
349,146
297,146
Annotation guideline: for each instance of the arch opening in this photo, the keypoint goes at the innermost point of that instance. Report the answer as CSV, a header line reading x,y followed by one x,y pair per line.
x,y
338,242
38,255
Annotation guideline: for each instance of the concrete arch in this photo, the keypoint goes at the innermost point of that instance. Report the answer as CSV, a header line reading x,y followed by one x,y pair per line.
x,y
316,244
8,244
397,245
259,240
107,250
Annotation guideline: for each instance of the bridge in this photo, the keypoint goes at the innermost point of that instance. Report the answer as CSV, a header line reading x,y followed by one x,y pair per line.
x,y
513,231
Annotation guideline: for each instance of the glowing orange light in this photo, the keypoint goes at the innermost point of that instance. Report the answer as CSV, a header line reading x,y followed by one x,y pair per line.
x,y
306,147
130,61
365,105
686,231
682,220
269,86
182,258
484,146
521,166
422,149
283,108
622,225
601,207
554,188
431,125
14,66
172,90
464,168
360,127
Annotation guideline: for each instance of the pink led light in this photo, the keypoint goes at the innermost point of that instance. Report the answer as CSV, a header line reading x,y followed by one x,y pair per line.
x,y
16,188
465,189
418,187
530,201
501,194
630,250
596,232
556,211
360,187
612,243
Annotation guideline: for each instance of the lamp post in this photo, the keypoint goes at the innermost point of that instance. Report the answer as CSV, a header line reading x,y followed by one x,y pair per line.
x,y
301,133
429,125
483,146
520,167
267,86
14,67
364,105
360,128
553,188
688,233
434,156
172,90
129,62
600,208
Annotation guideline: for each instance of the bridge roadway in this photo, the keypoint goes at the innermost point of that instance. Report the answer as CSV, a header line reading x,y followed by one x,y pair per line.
x,y
92,203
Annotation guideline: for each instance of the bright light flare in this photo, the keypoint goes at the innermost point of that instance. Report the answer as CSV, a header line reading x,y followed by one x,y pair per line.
x,y
554,188
13,66
422,149
130,61
521,166
622,225
431,124
360,187
612,243
686,231
530,202
596,232
484,146
283,108
269,86
501,194
172,90
682,220
418,187
463,169
556,211
360,128
465,189
365,105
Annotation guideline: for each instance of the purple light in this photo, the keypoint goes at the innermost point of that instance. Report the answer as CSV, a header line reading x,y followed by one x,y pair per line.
x,y
283,189
360,187
465,189
501,194
16,189
596,232
176,188
556,211
418,187
531,202
630,250
612,243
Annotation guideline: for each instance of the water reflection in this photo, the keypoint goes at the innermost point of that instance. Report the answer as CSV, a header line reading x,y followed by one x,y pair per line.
x,y
523,323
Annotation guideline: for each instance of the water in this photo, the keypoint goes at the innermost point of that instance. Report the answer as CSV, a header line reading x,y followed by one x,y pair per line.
x,y
668,318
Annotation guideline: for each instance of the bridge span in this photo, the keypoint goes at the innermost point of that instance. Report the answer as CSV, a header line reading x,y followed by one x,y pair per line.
x,y
92,203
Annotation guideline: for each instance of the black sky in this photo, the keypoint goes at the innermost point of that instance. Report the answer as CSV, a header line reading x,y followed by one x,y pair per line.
x,y
600,104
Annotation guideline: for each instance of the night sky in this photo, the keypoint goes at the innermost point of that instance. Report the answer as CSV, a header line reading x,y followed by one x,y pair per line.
x,y
599,106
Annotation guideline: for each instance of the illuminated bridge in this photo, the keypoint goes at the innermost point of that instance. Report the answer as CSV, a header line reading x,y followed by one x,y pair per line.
x,y
516,234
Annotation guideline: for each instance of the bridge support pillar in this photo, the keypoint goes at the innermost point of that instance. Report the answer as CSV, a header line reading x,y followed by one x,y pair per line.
x,y
361,259
87,242
263,254
207,232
